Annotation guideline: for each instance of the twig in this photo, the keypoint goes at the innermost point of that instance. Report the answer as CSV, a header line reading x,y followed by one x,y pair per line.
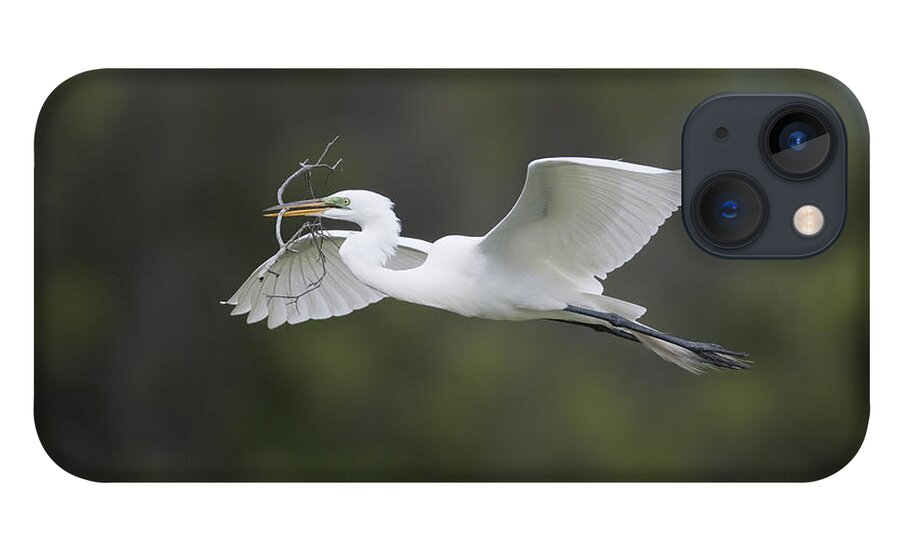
x,y
313,228
305,169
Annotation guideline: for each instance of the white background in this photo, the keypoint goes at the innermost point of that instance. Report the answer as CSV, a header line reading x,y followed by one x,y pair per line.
x,y
44,509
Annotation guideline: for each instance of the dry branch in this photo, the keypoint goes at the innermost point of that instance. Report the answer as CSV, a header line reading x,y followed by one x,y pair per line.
x,y
313,227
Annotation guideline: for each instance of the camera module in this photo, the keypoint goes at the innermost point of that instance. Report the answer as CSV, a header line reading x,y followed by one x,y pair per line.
x,y
774,186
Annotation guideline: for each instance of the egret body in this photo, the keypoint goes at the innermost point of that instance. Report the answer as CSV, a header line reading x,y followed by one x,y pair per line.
x,y
576,220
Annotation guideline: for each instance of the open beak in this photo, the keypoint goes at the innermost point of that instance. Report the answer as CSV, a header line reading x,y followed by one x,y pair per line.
x,y
300,208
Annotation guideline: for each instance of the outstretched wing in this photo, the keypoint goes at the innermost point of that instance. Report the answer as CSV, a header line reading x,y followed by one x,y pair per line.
x,y
584,216
302,283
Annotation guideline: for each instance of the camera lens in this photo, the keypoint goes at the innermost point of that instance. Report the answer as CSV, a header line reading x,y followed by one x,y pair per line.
x,y
731,209
798,141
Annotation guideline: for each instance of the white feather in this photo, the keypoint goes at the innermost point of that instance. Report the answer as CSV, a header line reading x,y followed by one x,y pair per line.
x,y
584,216
277,289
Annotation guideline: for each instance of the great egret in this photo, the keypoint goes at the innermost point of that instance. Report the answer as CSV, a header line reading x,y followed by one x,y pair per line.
x,y
576,220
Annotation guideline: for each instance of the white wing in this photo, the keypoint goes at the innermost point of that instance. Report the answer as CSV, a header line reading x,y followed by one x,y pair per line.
x,y
584,216
298,284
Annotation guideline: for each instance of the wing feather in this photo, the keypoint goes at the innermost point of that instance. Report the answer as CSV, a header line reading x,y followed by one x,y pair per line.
x,y
280,289
585,216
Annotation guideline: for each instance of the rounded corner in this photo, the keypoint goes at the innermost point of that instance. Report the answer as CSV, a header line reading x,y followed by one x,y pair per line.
x,y
842,90
836,466
699,106
59,459
61,89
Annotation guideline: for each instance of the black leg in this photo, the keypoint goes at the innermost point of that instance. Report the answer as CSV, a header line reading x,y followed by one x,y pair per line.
x,y
703,349
621,333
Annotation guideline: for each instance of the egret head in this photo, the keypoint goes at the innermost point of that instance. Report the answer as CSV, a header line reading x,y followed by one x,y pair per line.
x,y
357,206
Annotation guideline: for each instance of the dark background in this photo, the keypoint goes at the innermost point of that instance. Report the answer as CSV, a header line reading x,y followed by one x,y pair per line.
x,y
149,186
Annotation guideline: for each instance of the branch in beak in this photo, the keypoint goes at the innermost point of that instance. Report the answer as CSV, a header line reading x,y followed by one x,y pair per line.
x,y
297,209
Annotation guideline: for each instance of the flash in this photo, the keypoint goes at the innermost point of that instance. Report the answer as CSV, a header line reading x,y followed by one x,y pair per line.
x,y
809,220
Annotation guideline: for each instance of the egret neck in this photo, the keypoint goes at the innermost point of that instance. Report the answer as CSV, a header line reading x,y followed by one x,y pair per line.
x,y
367,252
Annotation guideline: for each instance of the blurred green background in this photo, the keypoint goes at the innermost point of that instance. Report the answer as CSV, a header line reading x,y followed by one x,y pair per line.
x,y
149,186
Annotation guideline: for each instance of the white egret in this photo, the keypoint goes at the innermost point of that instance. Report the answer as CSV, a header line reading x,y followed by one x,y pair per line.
x,y
577,219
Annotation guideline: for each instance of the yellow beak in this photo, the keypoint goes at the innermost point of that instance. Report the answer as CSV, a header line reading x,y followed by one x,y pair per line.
x,y
297,209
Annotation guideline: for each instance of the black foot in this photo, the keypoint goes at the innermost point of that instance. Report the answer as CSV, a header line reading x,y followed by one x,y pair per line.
x,y
728,361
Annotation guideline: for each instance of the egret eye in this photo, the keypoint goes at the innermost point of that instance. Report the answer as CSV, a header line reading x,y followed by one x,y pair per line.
x,y
339,201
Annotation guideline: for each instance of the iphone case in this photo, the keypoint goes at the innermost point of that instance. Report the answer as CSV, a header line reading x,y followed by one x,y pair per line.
x,y
149,187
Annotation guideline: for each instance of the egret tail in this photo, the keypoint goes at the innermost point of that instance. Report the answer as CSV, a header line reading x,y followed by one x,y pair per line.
x,y
695,357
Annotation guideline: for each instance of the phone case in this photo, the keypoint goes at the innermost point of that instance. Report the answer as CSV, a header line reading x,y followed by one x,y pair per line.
x,y
150,187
